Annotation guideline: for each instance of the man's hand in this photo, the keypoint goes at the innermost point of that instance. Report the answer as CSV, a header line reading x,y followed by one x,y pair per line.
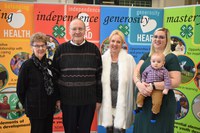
x,y
58,104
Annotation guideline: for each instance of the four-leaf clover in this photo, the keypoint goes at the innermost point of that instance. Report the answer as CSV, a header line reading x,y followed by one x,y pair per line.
x,y
59,31
124,29
186,31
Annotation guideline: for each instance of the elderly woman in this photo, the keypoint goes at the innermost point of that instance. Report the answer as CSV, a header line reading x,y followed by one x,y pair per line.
x,y
35,87
165,119
117,82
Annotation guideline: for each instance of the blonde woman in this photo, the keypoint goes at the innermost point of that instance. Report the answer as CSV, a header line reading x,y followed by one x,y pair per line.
x,y
165,119
117,82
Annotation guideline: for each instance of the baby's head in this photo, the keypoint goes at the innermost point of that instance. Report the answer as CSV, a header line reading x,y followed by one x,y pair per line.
x,y
157,60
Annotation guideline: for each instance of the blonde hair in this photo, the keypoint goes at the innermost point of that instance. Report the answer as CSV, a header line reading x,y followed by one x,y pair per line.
x,y
168,44
117,32
38,37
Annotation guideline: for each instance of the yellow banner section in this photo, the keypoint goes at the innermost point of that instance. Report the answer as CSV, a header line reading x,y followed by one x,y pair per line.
x,y
15,32
16,20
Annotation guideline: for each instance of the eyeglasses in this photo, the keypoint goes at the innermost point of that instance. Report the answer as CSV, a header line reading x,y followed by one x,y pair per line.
x,y
159,37
40,46
79,29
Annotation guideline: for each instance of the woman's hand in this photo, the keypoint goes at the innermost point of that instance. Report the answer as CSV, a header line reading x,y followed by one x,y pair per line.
x,y
144,88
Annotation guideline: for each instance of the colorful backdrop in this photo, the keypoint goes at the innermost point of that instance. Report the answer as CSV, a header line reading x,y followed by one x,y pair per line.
x,y
18,21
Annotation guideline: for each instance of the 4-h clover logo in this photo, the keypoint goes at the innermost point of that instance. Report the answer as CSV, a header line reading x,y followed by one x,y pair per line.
x,y
186,31
124,29
59,31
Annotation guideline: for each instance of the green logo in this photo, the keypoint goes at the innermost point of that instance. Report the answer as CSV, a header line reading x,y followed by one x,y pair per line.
x,y
124,29
186,31
59,31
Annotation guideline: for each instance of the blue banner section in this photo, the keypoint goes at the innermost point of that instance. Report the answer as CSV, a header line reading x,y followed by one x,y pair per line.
x,y
137,24
113,18
147,20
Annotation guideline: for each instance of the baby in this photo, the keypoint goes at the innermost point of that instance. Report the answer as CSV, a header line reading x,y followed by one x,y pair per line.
x,y
156,72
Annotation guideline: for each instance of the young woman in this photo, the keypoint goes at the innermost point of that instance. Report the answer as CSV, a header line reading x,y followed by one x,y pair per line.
x,y
166,117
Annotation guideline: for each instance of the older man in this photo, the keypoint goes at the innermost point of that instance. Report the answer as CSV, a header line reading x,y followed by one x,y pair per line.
x,y
80,66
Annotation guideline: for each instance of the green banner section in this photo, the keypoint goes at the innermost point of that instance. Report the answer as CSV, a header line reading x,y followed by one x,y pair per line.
x,y
184,26
197,27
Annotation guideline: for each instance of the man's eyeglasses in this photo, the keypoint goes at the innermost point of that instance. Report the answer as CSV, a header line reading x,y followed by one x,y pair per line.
x,y
39,46
79,29
159,37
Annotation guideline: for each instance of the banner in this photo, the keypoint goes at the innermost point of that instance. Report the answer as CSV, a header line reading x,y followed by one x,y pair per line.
x,y
54,21
19,21
186,45
15,31
137,24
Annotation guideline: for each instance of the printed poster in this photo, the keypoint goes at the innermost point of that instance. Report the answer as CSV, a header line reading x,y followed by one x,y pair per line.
x,y
90,16
14,50
111,20
54,21
184,27
137,24
141,32
51,21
